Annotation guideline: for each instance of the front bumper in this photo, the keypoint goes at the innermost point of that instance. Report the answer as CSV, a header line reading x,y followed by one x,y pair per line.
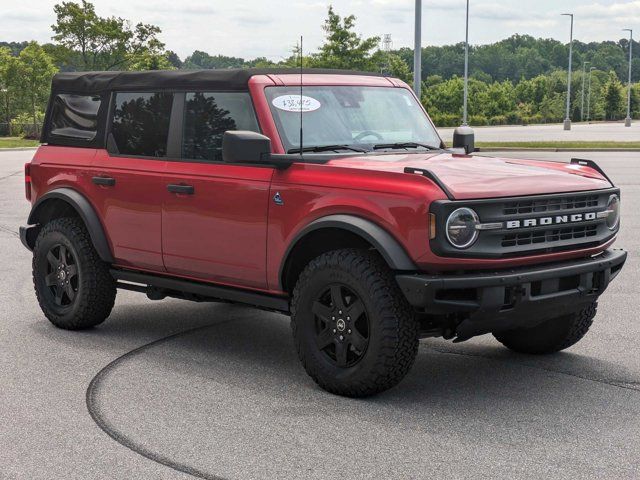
x,y
516,298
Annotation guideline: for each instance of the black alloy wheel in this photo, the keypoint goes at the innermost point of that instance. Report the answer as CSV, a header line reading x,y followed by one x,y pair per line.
x,y
62,275
341,325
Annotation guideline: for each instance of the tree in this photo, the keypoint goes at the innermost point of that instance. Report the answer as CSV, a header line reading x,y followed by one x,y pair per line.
x,y
613,102
8,84
398,68
102,43
35,69
345,49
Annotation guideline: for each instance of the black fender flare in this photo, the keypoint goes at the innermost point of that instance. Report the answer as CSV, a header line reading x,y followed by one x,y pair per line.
x,y
392,252
85,211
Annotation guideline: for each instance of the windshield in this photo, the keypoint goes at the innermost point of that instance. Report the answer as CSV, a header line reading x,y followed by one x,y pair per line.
x,y
352,118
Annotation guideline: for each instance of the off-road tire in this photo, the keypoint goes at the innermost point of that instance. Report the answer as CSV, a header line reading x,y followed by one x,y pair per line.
x,y
551,336
95,291
393,328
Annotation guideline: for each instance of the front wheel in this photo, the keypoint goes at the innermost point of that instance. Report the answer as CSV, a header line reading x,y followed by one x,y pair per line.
x,y
551,336
74,287
355,333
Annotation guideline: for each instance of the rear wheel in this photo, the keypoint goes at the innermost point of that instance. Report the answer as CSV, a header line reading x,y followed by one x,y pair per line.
x,y
551,336
355,333
73,285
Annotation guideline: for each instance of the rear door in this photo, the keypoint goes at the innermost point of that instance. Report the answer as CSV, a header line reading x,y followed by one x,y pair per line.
x,y
214,215
128,177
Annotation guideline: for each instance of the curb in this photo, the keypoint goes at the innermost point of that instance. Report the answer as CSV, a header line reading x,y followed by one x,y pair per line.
x,y
556,150
18,149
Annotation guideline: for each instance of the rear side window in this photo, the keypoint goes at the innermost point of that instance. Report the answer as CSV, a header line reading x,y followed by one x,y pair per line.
x,y
75,116
141,123
208,115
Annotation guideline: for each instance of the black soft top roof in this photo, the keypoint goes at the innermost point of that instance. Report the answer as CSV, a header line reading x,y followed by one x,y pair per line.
x,y
224,79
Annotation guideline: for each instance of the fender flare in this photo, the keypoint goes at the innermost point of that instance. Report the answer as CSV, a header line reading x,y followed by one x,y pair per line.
x,y
390,249
85,211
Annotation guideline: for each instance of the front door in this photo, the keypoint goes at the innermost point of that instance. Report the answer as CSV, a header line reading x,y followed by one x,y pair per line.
x,y
214,215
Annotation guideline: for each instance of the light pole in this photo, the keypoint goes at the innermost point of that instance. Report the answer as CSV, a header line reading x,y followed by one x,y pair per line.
x,y
589,96
466,72
464,136
627,121
584,75
567,120
417,51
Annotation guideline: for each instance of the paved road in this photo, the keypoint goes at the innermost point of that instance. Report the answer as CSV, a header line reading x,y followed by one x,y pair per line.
x,y
216,390
607,132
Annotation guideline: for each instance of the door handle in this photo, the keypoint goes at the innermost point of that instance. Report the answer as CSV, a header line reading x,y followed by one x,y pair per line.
x,y
183,189
105,181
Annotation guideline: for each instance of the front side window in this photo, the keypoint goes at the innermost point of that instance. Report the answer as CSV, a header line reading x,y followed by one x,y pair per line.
x,y
356,116
141,123
208,115
75,116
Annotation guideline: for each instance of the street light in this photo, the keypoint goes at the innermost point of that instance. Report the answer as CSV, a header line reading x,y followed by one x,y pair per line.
x,y
567,120
417,51
627,121
584,75
464,135
589,96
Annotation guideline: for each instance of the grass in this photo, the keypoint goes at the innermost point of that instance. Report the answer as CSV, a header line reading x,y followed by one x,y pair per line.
x,y
16,142
568,145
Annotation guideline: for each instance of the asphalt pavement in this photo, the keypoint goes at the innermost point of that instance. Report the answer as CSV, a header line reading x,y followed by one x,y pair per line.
x,y
171,389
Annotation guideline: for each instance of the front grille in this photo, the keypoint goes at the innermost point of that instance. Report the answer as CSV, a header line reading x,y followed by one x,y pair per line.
x,y
529,225
549,205
549,236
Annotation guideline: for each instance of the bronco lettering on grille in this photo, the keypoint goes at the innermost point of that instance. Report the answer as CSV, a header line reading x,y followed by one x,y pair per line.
x,y
557,220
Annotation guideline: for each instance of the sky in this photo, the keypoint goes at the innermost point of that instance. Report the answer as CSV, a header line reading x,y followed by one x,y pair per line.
x,y
270,28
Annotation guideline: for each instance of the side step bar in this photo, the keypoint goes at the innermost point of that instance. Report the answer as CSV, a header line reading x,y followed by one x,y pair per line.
x,y
172,287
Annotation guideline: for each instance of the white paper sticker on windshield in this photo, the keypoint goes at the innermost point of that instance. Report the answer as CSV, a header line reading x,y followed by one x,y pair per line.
x,y
291,103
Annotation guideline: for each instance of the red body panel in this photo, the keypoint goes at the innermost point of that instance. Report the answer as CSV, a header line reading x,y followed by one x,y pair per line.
x,y
231,232
131,209
220,232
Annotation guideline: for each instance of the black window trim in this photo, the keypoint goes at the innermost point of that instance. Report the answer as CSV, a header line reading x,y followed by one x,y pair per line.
x,y
176,124
109,128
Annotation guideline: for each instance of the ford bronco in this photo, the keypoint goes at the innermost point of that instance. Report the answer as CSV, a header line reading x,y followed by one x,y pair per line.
x,y
327,196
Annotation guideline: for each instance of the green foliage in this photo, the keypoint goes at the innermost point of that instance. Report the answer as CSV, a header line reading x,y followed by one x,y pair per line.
x,y
344,48
519,80
104,43
199,60
613,101
23,125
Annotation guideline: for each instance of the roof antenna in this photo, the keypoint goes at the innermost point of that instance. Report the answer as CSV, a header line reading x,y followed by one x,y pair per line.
x,y
301,131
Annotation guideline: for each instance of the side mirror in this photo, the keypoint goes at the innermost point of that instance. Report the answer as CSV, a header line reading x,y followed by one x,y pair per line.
x,y
464,138
245,147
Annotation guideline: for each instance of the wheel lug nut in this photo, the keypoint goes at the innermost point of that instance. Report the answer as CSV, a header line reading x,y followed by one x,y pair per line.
x,y
349,331
339,312
341,338
333,318
334,330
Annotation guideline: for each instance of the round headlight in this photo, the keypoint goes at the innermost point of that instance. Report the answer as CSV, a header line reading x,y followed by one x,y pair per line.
x,y
613,209
461,227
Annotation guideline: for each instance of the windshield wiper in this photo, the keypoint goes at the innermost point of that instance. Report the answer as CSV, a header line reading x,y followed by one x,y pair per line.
x,y
327,148
399,145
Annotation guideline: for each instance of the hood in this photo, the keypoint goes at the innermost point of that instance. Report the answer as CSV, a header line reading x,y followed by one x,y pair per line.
x,y
468,177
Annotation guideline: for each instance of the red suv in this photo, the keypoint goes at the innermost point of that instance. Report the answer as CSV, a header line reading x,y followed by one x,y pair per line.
x,y
324,195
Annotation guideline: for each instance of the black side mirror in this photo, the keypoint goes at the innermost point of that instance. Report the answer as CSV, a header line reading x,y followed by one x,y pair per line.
x,y
464,138
245,147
